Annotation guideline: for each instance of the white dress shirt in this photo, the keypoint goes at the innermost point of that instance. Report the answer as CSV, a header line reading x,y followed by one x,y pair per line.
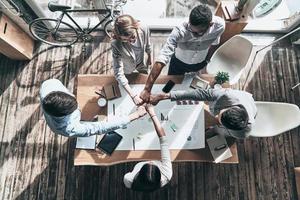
x,y
188,48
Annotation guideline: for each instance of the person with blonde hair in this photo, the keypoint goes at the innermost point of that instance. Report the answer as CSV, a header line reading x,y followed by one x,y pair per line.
x,y
131,41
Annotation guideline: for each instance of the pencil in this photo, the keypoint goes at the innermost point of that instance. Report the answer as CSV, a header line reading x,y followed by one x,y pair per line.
x,y
100,94
113,89
133,143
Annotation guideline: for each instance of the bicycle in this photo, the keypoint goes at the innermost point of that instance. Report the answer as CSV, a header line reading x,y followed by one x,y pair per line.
x,y
58,33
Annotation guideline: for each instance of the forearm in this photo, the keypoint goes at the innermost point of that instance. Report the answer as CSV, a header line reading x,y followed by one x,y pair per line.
x,y
163,96
193,94
157,125
129,90
135,115
211,51
153,75
85,129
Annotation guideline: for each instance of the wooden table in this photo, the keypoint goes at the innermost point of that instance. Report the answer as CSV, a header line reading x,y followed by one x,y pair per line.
x,y
87,100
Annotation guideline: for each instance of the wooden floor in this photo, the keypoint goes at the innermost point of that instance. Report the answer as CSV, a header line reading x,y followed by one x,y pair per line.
x,y
36,164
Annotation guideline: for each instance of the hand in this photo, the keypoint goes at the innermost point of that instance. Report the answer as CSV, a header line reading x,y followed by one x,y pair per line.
x,y
154,99
145,96
137,100
149,62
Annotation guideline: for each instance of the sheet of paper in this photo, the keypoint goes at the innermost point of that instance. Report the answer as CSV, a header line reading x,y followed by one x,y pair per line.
x,y
219,148
183,124
86,142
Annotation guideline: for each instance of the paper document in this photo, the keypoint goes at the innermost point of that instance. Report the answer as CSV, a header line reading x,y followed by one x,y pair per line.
x,y
183,122
219,148
86,142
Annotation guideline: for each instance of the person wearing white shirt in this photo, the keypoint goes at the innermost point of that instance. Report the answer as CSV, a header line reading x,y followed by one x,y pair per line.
x,y
63,116
188,47
151,175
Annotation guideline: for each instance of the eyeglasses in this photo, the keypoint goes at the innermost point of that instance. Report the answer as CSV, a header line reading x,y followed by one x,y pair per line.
x,y
130,38
197,30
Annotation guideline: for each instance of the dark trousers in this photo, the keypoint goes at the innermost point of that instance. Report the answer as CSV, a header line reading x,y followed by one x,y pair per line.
x,y
178,67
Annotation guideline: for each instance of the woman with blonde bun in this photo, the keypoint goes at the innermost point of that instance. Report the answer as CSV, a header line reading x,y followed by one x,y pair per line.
x,y
131,42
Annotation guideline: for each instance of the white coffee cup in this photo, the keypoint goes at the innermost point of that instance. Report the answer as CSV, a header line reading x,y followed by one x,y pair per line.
x,y
102,102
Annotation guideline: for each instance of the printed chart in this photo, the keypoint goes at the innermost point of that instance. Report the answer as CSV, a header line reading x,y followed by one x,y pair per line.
x,y
183,122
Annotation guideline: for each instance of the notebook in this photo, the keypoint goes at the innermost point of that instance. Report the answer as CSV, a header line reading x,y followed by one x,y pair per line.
x,y
112,91
86,142
109,142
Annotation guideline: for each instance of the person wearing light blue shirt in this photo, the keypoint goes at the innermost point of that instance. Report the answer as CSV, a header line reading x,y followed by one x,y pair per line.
x,y
63,116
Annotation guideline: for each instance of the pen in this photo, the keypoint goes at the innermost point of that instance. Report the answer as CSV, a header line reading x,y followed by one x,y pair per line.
x,y
99,94
133,143
113,89
114,109
222,146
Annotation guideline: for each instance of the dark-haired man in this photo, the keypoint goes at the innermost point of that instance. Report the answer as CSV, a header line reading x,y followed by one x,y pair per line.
x,y
188,47
235,110
63,115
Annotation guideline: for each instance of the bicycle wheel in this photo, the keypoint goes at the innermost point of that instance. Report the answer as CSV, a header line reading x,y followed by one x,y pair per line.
x,y
108,28
43,30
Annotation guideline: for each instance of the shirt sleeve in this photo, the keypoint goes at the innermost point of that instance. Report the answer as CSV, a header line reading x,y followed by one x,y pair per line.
x,y
85,129
169,48
166,164
195,94
220,23
118,66
147,41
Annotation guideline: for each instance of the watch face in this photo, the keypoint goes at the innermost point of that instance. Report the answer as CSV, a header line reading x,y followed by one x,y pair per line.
x,y
102,102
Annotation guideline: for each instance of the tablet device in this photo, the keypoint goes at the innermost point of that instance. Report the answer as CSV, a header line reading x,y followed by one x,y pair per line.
x,y
109,142
167,88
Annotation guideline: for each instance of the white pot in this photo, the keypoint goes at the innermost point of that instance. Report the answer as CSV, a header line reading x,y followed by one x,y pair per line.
x,y
217,86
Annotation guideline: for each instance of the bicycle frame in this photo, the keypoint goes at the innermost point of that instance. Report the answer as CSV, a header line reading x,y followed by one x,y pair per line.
x,y
100,11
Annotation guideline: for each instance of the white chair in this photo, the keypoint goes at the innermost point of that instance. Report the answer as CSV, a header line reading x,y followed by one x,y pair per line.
x,y
274,118
231,57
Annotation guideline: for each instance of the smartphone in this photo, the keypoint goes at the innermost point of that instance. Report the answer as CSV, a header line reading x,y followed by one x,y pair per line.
x,y
168,87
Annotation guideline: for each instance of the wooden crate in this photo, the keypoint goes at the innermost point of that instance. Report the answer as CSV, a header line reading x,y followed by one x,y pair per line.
x,y
14,42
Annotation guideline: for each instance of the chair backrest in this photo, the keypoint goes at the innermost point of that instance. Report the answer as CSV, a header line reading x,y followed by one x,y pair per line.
x,y
274,118
231,57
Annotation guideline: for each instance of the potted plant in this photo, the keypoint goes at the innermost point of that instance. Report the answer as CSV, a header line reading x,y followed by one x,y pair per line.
x,y
221,79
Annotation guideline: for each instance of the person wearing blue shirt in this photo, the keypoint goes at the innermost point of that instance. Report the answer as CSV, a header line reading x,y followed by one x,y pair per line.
x,y
63,116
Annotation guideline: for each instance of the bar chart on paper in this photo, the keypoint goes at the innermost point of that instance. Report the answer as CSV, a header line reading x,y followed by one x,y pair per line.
x,y
183,122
